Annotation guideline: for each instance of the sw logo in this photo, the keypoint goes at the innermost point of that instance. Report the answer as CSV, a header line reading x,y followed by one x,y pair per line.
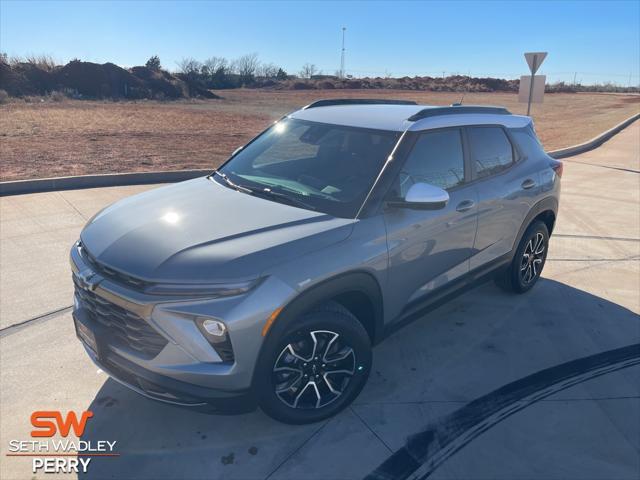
x,y
48,423
60,455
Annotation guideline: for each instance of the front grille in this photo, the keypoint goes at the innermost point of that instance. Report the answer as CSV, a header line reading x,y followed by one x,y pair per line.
x,y
123,329
110,273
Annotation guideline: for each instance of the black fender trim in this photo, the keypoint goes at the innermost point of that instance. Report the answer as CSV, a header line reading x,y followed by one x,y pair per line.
x,y
359,281
546,204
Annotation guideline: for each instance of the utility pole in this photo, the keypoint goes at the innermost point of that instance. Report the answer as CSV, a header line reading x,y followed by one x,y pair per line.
x,y
342,57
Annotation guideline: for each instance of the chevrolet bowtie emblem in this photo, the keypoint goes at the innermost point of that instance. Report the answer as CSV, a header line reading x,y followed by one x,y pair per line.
x,y
88,279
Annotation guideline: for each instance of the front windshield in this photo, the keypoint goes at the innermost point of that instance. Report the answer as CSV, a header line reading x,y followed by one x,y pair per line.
x,y
329,168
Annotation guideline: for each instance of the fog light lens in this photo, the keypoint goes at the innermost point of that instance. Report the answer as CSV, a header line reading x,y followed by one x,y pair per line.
x,y
217,335
214,327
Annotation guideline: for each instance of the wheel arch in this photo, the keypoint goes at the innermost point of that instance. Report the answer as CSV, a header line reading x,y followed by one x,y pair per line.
x,y
545,210
358,291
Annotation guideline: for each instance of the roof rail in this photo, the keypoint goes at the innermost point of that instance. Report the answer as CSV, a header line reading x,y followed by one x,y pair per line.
x,y
357,101
455,109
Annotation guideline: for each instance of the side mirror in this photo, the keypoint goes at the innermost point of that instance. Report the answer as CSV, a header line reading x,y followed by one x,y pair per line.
x,y
422,196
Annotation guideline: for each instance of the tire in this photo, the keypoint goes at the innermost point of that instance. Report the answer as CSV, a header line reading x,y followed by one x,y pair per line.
x,y
528,261
327,387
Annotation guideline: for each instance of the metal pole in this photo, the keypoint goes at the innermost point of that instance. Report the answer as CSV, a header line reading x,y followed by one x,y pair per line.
x,y
342,57
533,75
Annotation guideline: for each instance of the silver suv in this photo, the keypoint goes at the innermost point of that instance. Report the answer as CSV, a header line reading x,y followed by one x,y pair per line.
x,y
269,281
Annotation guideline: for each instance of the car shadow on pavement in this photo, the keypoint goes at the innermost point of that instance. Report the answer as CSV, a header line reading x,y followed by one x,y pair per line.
x,y
479,343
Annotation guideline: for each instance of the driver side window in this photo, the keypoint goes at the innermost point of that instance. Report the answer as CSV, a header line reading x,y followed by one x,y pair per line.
x,y
437,158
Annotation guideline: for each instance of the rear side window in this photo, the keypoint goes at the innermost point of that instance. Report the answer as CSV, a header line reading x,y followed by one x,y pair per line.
x,y
436,159
491,150
527,141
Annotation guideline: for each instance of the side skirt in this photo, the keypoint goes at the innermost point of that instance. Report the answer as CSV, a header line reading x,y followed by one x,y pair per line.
x,y
419,308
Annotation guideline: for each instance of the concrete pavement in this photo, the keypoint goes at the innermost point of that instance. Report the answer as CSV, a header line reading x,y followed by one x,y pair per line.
x,y
479,345
37,231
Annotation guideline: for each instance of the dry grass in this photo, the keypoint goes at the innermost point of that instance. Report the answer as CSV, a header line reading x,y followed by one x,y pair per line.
x,y
81,137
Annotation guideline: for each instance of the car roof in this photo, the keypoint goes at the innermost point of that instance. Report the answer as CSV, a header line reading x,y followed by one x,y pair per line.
x,y
397,117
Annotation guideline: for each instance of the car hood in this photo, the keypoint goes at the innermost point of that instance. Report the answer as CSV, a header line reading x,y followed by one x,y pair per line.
x,y
201,231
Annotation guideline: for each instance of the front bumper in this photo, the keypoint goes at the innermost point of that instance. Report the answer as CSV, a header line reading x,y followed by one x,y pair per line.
x,y
159,387
184,369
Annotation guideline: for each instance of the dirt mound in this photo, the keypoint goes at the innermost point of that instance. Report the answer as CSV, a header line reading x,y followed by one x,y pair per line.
x,y
101,81
162,83
14,83
93,80
457,83
37,79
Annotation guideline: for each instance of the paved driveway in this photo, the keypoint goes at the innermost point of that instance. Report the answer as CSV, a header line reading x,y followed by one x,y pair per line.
x,y
490,385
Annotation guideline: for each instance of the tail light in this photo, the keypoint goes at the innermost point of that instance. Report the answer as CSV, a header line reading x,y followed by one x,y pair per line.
x,y
557,167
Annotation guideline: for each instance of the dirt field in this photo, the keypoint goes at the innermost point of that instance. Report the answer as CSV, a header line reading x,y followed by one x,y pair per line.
x,y
52,139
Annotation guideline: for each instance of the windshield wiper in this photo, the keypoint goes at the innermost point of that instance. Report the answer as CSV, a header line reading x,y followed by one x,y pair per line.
x,y
228,181
265,192
270,192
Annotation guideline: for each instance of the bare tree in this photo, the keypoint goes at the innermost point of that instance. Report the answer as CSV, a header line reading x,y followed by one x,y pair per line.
x,y
247,66
267,70
189,65
216,64
308,70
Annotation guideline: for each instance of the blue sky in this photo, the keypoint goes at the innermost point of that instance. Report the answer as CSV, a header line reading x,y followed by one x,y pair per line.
x,y
598,40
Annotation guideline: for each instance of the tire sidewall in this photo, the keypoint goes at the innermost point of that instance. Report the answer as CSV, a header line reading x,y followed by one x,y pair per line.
x,y
535,228
339,322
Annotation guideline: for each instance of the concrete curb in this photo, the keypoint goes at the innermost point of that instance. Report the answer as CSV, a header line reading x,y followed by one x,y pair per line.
x,y
20,187
594,142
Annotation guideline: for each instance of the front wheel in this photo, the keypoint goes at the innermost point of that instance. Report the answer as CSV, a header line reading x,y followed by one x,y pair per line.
x,y
316,368
528,262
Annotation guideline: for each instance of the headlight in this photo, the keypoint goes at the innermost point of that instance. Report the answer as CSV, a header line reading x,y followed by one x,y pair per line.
x,y
210,290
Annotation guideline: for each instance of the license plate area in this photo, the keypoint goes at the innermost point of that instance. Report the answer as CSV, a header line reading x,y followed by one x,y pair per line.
x,y
86,335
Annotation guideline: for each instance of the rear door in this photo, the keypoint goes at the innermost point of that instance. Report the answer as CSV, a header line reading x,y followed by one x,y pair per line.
x,y
430,248
507,186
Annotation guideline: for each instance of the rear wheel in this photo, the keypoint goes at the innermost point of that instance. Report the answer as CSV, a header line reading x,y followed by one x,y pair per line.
x,y
316,368
529,260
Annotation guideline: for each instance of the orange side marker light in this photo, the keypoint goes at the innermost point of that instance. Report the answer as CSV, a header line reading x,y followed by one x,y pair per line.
x,y
270,320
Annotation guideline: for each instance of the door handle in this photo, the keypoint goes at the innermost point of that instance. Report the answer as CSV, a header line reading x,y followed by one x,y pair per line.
x,y
528,183
465,205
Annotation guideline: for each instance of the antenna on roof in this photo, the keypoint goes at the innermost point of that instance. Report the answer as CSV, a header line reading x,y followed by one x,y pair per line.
x,y
457,104
463,93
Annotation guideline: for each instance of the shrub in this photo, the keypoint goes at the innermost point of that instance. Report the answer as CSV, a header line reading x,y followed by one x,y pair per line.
x,y
57,96
4,96
43,62
301,86
153,63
